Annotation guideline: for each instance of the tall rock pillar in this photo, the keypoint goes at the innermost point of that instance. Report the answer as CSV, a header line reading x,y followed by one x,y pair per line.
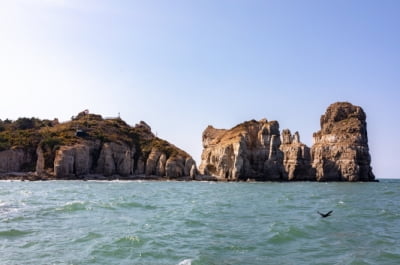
x,y
340,151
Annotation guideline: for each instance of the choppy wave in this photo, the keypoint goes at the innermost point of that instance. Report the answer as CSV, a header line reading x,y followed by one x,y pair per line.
x,y
74,206
14,233
198,224
88,237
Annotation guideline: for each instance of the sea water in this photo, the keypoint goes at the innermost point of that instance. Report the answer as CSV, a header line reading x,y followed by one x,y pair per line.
x,y
139,222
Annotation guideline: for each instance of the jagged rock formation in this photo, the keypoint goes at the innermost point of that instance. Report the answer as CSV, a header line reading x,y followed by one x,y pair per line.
x,y
296,157
92,147
247,151
254,150
76,160
340,150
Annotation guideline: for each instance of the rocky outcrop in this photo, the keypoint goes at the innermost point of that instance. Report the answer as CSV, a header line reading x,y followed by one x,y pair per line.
x,y
72,161
116,159
154,164
256,150
247,151
340,151
296,157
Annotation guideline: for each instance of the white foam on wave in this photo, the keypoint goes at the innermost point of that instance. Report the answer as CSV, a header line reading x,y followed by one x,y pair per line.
x,y
185,262
11,180
75,202
123,181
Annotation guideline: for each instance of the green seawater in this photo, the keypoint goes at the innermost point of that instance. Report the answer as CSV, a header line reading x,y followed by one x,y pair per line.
x,y
76,222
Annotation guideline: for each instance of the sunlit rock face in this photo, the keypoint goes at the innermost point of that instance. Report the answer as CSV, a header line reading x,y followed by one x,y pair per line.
x,y
340,151
256,150
296,157
248,151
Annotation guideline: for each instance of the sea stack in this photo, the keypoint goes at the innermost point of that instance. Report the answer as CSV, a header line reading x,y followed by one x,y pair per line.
x,y
340,151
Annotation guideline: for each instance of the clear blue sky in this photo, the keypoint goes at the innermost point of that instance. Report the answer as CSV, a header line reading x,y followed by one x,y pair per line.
x,y
181,65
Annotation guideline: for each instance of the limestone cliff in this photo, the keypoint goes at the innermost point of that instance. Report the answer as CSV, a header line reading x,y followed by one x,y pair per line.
x,y
247,151
340,150
150,156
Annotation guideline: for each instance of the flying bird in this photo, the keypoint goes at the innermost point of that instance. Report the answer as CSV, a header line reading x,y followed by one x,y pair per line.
x,y
323,215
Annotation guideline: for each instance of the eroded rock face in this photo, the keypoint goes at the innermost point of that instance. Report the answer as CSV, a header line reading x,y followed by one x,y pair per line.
x,y
247,151
152,164
111,158
115,159
75,160
14,160
255,150
340,150
296,157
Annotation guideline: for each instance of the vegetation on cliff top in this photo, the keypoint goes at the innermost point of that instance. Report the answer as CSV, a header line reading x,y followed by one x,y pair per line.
x,y
29,133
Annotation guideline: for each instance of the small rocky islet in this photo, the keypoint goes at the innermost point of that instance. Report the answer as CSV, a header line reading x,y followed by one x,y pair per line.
x,y
257,150
92,147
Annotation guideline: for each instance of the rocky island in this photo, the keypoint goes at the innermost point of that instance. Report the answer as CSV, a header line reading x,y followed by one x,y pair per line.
x,y
257,150
88,147
91,147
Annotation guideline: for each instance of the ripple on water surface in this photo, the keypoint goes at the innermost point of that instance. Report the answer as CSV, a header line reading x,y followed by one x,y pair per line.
x,y
14,233
197,223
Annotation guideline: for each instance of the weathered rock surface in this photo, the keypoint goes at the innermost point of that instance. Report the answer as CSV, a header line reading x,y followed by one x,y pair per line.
x,y
118,159
14,160
89,146
247,151
296,157
76,160
253,150
340,150
256,150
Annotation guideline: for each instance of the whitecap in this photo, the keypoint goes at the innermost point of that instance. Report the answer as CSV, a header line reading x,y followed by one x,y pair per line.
x,y
185,262
72,206
76,202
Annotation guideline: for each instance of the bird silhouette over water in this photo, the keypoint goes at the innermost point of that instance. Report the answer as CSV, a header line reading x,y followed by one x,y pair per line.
x,y
323,215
